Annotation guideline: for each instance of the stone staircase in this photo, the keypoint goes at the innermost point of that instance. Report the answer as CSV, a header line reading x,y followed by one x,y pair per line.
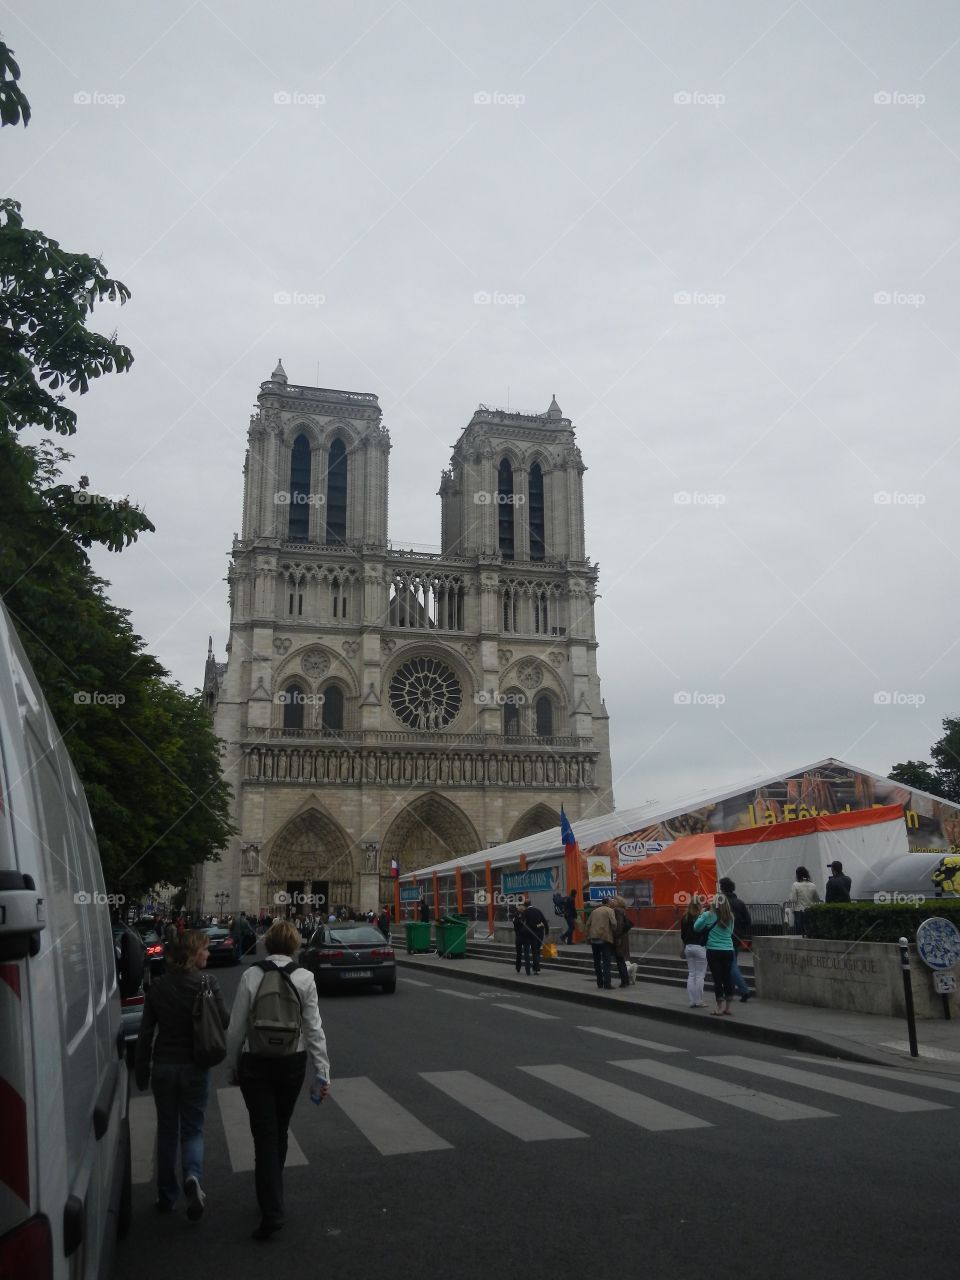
x,y
577,961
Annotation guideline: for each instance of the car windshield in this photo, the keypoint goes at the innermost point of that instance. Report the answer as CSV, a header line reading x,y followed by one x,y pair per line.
x,y
364,935
216,933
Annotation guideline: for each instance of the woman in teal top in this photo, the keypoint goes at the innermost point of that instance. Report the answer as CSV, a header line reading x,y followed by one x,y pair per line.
x,y
717,924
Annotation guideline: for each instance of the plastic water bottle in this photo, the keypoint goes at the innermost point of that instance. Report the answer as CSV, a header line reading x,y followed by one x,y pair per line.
x,y
318,1084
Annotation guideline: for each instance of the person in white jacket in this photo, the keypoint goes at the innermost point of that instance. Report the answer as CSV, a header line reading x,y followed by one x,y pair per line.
x,y
271,1084
803,894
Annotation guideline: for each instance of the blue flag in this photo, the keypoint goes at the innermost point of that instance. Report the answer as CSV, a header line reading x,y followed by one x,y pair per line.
x,y
566,831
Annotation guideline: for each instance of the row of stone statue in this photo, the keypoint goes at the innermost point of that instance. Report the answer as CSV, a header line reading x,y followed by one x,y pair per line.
x,y
268,764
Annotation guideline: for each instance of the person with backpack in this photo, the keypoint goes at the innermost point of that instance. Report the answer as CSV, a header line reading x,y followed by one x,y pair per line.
x,y
275,1025
569,914
180,1085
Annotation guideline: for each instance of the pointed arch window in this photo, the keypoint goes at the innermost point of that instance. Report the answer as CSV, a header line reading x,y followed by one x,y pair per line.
x,y
336,505
299,494
505,506
543,715
535,506
294,701
511,719
332,712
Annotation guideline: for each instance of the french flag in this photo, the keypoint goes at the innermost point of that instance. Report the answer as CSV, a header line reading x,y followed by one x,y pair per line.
x,y
394,868
566,831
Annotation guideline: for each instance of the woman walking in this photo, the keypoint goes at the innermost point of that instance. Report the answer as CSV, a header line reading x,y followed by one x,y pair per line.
x,y
716,923
621,938
803,894
180,1088
694,951
276,1021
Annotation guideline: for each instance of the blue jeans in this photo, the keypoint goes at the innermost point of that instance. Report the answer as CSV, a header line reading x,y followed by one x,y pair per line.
x,y
180,1093
737,978
571,923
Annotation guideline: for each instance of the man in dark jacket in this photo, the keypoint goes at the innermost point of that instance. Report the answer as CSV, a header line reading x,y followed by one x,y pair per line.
x,y
532,933
837,888
570,916
742,933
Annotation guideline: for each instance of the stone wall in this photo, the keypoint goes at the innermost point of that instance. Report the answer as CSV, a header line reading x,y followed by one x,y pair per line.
x,y
861,977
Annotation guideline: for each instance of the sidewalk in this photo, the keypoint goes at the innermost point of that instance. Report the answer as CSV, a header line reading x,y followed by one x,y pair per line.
x,y
855,1037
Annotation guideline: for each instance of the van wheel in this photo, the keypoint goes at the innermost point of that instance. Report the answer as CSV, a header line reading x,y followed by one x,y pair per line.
x,y
125,1209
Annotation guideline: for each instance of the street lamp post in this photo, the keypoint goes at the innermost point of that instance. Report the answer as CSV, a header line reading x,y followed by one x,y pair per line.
x,y
220,898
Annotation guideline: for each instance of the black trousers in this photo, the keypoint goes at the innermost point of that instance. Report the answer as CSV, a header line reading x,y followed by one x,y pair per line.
x,y
270,1088
720,963
530,948
603,954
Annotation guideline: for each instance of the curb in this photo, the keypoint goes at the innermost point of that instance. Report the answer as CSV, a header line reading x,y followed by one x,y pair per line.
x,y
746,1031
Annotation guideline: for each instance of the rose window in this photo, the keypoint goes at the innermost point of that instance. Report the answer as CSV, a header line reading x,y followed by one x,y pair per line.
x,y
425,694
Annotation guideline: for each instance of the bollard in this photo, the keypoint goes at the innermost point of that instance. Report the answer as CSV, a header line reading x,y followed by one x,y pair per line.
x,y
908,997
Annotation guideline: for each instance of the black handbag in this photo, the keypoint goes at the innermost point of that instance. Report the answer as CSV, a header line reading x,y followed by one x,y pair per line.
x,y
209,1037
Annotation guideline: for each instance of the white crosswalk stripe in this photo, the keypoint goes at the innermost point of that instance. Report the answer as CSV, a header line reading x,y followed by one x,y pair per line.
x,y
236,1128
626,1105
920,1079
852,1089
655,1045
531,1013
500,1108
735,1095
415,982
391,1128
143,1137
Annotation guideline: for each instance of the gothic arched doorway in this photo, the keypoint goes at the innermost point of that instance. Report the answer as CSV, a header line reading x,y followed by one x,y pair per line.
x,y
430,830
307,860
540,818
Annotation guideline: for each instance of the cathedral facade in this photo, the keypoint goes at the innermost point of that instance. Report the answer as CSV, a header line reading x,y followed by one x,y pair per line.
x,y
381,705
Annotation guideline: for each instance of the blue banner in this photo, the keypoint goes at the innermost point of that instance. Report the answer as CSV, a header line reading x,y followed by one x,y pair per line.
x,y
409,893
529,881
600,891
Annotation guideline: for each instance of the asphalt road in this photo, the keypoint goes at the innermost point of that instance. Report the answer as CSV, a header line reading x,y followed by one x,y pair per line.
x,y
471,1138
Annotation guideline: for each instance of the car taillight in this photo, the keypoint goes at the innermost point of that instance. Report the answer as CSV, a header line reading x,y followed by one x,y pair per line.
x,y
325,957
132,1001
381,953
28,1251
155,950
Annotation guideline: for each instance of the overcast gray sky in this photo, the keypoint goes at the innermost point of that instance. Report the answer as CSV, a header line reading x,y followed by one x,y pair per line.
x,y
727,237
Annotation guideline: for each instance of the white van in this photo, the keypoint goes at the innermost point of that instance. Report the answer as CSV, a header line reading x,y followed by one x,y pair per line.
x,y
65,1147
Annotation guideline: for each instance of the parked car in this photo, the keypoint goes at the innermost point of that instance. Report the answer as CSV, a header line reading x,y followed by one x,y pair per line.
x,y
223,945
153,944
65,1185
350,955
131,960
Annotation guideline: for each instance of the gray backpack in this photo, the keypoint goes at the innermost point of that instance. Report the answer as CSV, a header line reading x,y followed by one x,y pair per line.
x,y
275,1018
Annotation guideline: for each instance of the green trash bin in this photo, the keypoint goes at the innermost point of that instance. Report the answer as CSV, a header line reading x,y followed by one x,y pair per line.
x,y
452,937
418,936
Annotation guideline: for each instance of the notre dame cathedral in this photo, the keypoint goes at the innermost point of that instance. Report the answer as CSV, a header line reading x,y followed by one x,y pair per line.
x,y
380,704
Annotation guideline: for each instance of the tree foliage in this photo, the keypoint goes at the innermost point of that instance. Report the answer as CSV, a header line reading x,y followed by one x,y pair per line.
x,y
942,778
144,749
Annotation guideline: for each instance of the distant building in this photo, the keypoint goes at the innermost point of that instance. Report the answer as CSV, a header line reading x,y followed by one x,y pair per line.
x,y
383,704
